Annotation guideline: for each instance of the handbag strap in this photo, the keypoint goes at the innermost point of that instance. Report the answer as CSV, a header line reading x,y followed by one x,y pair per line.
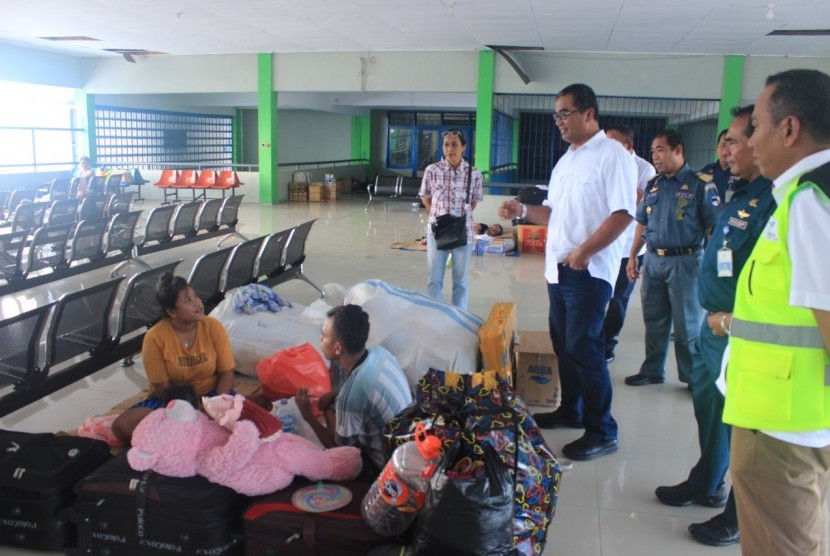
x,y
469,179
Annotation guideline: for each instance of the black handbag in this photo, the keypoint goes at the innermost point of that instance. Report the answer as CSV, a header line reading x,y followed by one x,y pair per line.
x,y
451,231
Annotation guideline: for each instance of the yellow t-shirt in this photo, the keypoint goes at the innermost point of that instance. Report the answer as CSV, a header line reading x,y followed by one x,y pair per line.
x,y
166,360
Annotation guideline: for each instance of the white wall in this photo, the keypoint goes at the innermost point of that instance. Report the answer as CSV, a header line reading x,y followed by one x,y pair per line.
x,y
41,68
304,136
758,68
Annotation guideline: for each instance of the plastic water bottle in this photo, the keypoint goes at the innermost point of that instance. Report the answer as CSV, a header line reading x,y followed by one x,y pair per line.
x,y
285,415
399,493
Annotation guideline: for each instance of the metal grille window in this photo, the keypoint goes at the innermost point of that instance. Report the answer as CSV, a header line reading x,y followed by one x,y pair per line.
x,y
414,139
133,136
540,145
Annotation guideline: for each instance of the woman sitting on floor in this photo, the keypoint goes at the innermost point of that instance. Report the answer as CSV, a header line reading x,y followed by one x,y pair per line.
x,y
186,347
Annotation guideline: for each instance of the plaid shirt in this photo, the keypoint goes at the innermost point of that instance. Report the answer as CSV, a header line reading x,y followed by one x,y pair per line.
x,y
447,190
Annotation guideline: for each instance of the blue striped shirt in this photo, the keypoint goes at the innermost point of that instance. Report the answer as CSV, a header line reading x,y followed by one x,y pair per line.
x,y
374,392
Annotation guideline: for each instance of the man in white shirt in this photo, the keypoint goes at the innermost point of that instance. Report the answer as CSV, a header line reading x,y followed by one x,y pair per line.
x,y
591,201
623,288
778,378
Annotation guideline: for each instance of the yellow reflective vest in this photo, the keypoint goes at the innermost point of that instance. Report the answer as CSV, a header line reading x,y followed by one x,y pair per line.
x,y
778,375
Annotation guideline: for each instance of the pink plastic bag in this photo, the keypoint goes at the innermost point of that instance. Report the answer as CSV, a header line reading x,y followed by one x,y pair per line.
x,y
99,427
289,369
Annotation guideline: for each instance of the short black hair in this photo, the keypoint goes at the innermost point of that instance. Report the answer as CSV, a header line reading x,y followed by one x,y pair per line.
x,y
721,134
350,325
672,137
624,130
745,112
583,97
167,291
805,94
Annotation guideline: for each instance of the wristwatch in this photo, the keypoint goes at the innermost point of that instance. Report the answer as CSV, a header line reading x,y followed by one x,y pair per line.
x,y
524,212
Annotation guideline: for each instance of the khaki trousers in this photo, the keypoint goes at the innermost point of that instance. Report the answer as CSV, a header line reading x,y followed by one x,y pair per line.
x,y
781,494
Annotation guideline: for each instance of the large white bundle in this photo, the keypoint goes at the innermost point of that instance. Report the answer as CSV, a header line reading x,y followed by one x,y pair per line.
x,y
260,335
418,330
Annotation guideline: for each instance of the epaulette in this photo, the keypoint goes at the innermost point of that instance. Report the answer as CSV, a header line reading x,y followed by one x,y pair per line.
x,y
704,177
819,176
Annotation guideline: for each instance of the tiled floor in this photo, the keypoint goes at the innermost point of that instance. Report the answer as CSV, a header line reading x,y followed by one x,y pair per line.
x,y
606,507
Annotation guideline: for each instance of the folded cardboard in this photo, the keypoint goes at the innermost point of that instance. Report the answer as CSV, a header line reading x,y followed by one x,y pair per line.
x,y
537,370
486,245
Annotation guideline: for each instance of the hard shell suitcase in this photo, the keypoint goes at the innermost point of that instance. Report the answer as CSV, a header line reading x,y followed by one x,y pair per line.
x,y
37,473
120,511
274,526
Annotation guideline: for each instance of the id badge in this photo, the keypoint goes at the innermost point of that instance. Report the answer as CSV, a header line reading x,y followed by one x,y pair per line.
x,y
725,263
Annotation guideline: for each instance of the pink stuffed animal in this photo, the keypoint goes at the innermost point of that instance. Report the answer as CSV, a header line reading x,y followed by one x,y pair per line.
x,y
180,441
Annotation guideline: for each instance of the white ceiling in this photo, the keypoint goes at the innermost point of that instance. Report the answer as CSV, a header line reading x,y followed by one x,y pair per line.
x,y
252,26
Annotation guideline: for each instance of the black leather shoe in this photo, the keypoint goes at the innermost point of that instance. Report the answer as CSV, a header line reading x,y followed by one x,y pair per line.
x,y
682,495
642,380
718,531
557,420
609,355
590,447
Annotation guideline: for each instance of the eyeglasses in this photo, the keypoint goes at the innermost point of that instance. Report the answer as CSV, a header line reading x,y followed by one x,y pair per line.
x,y
452,132
564,114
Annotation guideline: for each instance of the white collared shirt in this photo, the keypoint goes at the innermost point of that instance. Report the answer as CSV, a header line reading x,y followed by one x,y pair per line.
x,y
587,185
645,171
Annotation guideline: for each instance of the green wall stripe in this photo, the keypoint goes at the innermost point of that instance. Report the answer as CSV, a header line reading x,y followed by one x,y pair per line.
x,y
267,122
361,137
484,109
733,78
85,106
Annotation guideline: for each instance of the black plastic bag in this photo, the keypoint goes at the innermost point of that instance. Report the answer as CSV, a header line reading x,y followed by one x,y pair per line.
x,y
468,516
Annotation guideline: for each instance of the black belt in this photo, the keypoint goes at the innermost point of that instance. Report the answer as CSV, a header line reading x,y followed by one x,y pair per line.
x,y
674,252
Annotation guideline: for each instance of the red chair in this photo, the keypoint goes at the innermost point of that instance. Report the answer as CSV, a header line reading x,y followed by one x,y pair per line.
x,y
167,183
207,180
227,180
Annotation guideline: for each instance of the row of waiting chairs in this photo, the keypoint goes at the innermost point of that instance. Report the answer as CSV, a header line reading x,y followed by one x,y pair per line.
x,y
171,181
402,188
28,216
56,248
38,341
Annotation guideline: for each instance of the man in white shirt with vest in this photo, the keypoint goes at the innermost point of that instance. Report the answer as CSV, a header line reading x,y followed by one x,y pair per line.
x,y
778,375
591,201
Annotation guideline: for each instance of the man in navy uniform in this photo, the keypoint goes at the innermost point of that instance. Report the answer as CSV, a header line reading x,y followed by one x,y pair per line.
x,y
678,209
719,169
733,237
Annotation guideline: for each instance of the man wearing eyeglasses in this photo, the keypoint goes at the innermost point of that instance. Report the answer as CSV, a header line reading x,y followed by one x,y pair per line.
x,y
591,201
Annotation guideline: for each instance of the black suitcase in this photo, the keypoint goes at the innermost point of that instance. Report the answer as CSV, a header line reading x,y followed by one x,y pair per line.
x,y
274,526
120,511
37,473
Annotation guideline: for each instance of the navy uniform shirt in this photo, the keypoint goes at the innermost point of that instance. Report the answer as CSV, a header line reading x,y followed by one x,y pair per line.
x,y
677,211
740,224
724,180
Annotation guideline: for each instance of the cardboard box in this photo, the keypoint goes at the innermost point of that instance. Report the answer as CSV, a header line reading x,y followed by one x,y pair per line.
x,y
496,339
315,192
297,192
531,239
494,246
537,370
330,191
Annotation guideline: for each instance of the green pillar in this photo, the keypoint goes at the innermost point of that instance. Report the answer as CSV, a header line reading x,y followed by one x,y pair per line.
x,y
236,147
361,137
85,110
267,120
484,109
733,78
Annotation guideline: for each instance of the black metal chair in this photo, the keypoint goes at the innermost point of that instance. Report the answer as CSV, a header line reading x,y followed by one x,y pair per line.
x,y
228,217
118,203
295,257
59,189
63,211
271,259
208,217
241,263
12,247
86,241
47,249
28,216
113,184
16,196
80,323
206,277
384,186
92,207
19,345
120,235
184,219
